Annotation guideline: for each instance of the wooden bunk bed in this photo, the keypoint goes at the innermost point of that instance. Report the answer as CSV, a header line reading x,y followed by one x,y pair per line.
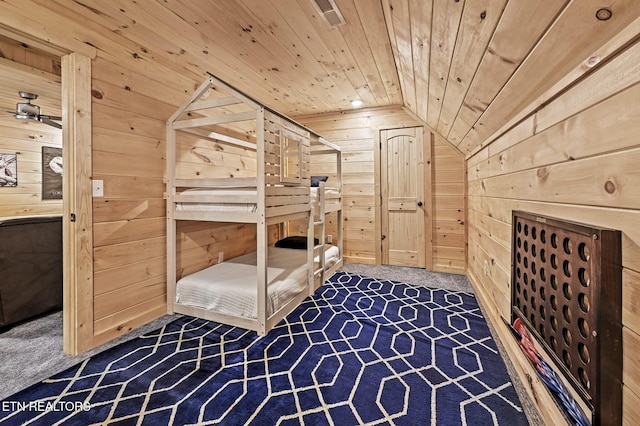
x,y
278,192
326,198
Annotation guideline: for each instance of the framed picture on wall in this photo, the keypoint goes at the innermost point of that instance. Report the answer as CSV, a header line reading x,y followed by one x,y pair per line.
x,y
8,170
51,173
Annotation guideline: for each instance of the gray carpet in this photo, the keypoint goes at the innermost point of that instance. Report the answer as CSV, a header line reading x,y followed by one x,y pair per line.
x,y
453,282
32,352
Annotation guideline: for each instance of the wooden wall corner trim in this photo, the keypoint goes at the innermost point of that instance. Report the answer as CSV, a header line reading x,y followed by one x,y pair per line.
x,y
38,42
431,129
429,141
77,204
377,192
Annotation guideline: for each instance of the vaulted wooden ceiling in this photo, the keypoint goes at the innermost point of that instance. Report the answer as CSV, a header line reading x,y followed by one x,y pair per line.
x,y
467,68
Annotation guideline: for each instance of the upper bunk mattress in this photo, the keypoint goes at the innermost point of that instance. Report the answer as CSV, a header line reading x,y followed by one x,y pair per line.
x,y
328,193
230,287
218,206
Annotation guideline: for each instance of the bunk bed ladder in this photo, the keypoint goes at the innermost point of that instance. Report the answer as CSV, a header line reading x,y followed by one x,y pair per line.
x,y
320,223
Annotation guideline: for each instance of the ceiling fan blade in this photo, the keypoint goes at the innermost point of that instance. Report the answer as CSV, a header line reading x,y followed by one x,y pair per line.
x,y
50,117
50,123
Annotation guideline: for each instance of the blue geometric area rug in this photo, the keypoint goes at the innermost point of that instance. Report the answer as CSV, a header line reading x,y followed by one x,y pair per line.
x,y
360,351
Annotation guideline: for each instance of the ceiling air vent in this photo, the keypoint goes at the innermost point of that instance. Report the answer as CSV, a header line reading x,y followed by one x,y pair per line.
x,y
329,12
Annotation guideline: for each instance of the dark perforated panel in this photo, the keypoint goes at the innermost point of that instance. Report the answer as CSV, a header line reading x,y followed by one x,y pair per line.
x,y
566,286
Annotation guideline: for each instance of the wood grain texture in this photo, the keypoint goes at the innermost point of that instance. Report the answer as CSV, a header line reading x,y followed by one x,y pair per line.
x,y
77,234
559,54
574,160
361,202
526,110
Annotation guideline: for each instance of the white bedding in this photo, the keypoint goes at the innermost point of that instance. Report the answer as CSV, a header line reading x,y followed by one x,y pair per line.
x,y
230,287
217,207
328,192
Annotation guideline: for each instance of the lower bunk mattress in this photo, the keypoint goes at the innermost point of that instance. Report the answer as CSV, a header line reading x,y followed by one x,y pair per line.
x,y
230,287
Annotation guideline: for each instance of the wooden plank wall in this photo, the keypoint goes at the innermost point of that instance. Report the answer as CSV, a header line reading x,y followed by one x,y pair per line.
x,y
199,244
133,93
576,158
129,114
355,132
24,68
26,140
204,158
132,98
448,186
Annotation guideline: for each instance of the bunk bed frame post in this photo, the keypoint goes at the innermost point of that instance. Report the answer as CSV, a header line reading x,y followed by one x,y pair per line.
x,y
340,214
261,226
171,223
321,222
171,191
310,250
322,209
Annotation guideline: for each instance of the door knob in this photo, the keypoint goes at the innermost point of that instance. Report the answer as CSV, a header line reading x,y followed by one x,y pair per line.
x,y
419,203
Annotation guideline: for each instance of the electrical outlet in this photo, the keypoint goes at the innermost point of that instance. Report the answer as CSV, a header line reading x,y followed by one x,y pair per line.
x,y
98,188
329,239
220,257
486,267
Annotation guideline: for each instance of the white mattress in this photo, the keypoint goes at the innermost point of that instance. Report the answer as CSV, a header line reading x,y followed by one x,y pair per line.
x,y
230,287
331,256
217,207
328,192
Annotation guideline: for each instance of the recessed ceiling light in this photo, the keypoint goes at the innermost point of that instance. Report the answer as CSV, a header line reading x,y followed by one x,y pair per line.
x,y
356,103
604,14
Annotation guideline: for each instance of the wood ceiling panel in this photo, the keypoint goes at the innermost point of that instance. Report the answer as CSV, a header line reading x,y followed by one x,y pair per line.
x,y
479,20
444,32
521,26
470,69
285,25
280,52
399,29
557,54
118,38
198,30
371,16
340,56
420,20
243,35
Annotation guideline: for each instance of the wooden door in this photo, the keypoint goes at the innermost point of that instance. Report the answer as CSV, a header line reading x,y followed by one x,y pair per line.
x,y
402,193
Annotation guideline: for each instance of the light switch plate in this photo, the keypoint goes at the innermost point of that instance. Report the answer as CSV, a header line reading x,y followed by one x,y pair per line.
x,y
98,188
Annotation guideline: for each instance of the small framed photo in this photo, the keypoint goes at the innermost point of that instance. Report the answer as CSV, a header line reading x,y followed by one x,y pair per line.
x,y
51,173
8,170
